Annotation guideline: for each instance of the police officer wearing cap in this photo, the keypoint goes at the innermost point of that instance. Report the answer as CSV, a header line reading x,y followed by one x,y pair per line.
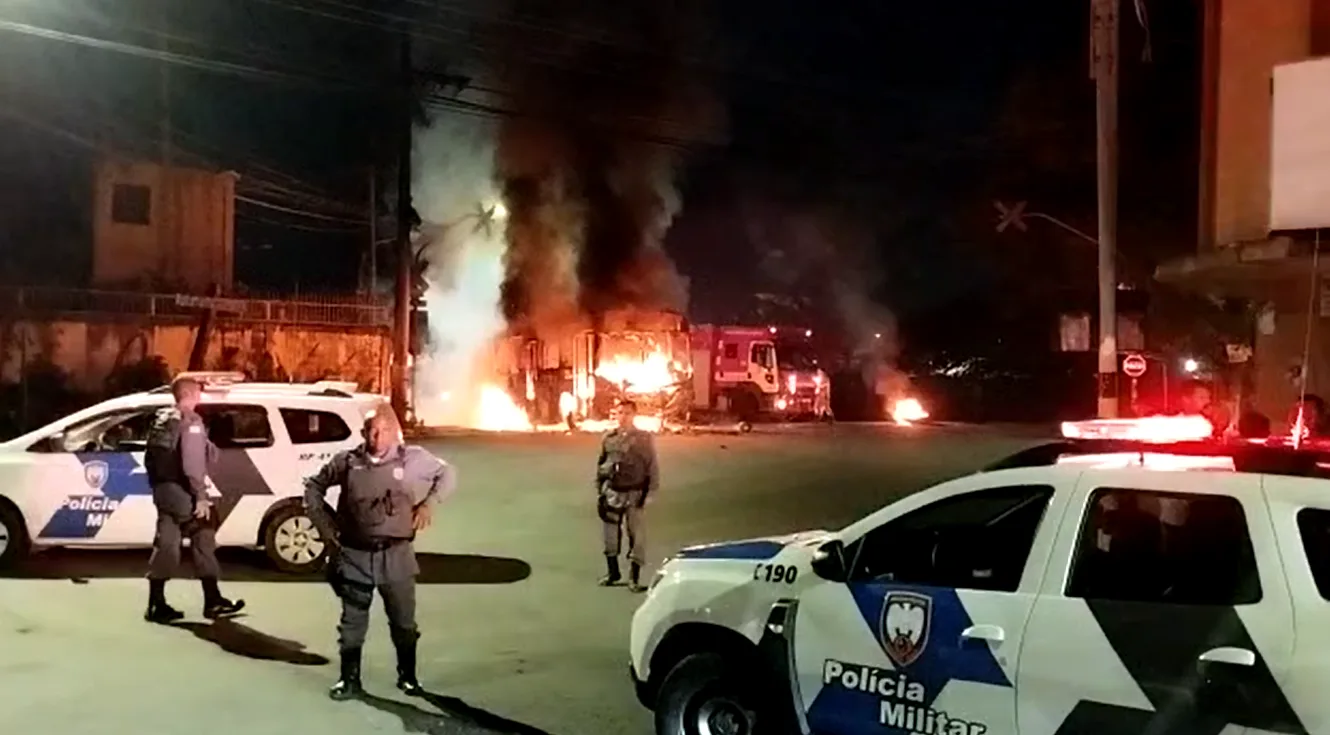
x,y
177,459
626,479
387,492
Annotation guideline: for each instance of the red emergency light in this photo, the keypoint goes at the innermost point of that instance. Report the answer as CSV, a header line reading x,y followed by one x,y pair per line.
x,y
1150,429
1149,460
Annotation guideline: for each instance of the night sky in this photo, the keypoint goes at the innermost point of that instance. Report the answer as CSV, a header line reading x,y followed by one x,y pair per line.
x,y
863,150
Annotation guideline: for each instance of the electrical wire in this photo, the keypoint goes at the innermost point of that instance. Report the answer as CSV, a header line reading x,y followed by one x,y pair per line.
x,y
187,60
292,210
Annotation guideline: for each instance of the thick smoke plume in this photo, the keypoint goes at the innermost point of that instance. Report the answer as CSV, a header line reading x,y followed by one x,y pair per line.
x,y
453,185
823,256
588,168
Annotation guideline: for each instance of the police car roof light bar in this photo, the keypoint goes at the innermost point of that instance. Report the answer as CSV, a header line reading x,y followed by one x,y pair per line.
x,y
1245,457
210,379
1150,429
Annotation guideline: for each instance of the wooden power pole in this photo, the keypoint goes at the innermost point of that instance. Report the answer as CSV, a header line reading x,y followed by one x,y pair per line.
x,y
1104,53
402,293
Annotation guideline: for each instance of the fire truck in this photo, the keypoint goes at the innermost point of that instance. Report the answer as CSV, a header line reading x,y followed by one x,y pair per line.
x,y
671,369
755,372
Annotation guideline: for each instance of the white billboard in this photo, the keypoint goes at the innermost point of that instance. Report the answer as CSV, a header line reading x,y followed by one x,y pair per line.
x,y
1300,146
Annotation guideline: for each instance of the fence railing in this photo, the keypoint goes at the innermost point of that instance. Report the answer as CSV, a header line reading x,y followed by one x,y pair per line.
x,y
311,311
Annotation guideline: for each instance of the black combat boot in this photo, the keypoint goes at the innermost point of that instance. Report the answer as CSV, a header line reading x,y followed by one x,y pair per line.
x,y
348,687
635,578
158,611
214,605
612,576
405,643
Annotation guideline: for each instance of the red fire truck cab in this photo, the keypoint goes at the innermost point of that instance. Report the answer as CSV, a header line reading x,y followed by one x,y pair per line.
x,y
756,372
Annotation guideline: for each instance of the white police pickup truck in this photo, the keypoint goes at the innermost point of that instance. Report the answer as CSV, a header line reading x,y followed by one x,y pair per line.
x,y
80,481
1079,588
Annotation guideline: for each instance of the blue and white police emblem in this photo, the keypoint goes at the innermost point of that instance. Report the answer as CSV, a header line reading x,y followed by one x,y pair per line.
x,y
95,474
906,619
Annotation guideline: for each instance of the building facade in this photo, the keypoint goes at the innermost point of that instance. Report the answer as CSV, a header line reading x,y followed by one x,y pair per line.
x,y
164,229
1259,219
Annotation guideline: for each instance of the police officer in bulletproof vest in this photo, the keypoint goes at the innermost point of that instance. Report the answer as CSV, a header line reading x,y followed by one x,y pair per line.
x,y
387,492
177,460
626,479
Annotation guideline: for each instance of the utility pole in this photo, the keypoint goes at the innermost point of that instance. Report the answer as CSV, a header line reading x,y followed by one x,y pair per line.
x,y
402,295
161,207
373,254
1104,53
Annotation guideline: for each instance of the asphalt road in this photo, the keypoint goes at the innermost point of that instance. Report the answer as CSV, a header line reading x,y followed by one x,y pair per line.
x,y
517,637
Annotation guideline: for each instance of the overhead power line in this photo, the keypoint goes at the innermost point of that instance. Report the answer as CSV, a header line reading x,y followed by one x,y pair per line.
x,y
291,210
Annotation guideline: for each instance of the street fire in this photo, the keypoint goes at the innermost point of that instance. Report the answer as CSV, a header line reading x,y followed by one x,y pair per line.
x,y
906,411
651,379
653,374
497,411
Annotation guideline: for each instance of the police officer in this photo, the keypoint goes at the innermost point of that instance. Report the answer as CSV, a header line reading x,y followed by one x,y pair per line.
x,y
387,490
626,479
177,459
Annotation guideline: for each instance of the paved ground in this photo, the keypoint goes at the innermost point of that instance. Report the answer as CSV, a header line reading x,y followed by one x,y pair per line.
x,y
517,637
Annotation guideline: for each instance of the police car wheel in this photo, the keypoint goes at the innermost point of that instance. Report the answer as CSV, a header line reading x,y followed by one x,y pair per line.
x,y
293,542
702,695
13,536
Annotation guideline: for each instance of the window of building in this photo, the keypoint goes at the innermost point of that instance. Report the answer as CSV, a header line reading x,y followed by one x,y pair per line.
x,y
131,204
1174,548
314,427
979,541
237,427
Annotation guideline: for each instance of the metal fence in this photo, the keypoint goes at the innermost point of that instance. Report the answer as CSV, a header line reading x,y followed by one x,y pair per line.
x,y
309,310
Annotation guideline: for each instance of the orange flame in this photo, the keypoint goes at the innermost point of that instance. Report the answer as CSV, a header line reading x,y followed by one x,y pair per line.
x,y
906,411
499,412
655,373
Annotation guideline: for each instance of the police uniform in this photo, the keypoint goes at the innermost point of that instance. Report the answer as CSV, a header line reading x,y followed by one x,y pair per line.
x,y
372,532
626,474
177,459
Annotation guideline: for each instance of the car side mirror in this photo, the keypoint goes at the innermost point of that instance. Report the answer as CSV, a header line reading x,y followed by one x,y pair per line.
x,y
829,561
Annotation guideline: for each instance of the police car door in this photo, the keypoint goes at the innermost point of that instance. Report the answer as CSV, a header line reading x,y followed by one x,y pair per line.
x,y
88,484
1168,612
1301,510
924,635
315,437
247,460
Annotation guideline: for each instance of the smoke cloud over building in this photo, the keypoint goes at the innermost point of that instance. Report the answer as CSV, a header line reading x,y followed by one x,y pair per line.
x,y
589,168
600,111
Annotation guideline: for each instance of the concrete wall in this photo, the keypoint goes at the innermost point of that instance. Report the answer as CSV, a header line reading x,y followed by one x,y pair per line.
x,y
1279,357
1244,41
188,241
89,350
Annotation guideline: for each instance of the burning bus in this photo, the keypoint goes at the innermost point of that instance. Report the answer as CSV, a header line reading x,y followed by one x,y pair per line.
x,y
675,372
576,376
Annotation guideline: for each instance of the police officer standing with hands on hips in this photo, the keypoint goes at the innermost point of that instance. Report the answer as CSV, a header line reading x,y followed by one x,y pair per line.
x,y
387,493
627,478
177,460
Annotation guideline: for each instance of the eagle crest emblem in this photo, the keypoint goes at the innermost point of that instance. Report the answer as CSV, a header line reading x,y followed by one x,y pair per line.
x,y
906,619
95,474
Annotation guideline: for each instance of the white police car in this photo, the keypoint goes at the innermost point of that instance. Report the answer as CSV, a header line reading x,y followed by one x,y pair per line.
x,y
1079,588
80,481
